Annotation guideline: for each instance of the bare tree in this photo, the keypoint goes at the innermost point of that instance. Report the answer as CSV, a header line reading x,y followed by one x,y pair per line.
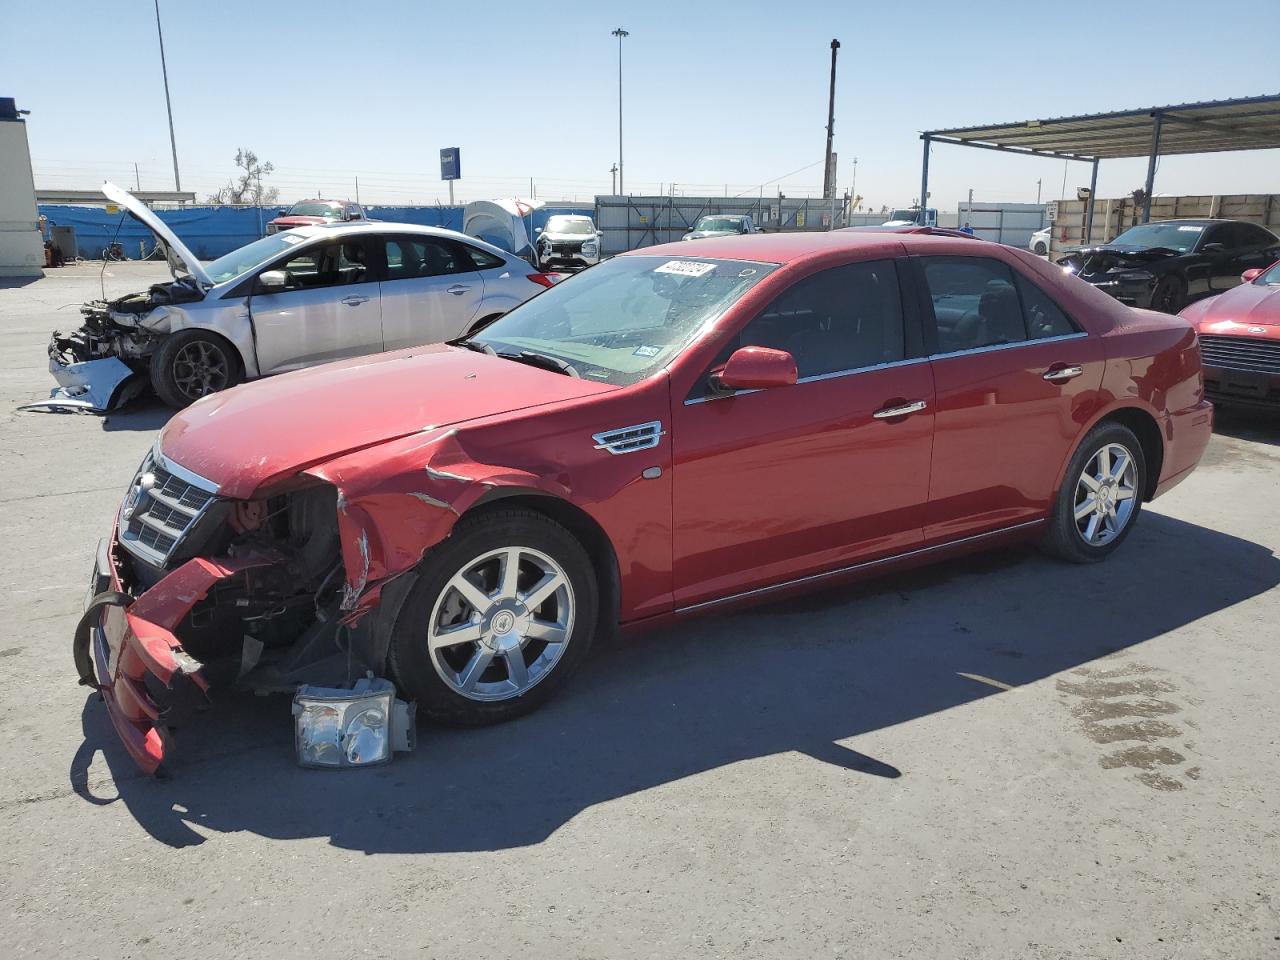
x,y
246,186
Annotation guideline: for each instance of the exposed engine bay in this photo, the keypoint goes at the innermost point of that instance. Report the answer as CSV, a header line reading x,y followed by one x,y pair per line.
x,y
105,362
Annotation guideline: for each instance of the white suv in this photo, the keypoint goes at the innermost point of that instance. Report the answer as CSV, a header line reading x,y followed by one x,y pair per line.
x,y
568,241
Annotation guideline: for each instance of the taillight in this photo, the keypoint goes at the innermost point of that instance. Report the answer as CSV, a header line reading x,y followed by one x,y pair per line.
x,y
544,279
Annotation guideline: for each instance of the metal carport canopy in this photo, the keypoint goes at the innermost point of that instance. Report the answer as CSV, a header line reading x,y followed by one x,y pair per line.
x,y
1214,126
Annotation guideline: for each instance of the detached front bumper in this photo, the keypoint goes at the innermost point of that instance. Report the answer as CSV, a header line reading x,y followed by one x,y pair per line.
x,y
125,648
89,386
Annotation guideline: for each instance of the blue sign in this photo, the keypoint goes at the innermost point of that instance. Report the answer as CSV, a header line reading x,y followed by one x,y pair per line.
x,y
451,163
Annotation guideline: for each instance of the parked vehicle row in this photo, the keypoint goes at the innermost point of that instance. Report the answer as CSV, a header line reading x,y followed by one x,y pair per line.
x,y
313,213
679,429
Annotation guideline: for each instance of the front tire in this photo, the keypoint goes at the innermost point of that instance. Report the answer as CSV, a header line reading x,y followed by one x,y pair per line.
x,y
192,364
1101,496
1169,295
503,612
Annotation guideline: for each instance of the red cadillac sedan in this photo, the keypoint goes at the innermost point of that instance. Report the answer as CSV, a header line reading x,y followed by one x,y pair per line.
x,y
1240,338
675,430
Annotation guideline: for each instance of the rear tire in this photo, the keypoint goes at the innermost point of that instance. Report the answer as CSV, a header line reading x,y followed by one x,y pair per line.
x,y
192,364
1101,496
475,646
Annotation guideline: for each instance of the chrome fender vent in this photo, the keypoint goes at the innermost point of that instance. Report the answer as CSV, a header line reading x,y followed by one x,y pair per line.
x,y
643,436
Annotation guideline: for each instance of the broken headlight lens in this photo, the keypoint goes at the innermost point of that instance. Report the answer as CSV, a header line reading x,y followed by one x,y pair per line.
x,y
356,727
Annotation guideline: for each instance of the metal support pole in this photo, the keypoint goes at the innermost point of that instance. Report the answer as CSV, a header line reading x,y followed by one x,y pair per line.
x,y
164,70
1093,191
924,181
828,175
620,33
1151,168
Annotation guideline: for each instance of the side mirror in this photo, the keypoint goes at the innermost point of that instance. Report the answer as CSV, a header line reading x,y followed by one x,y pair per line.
x,y
1213,248
755,368
272,281
537,230
1251,275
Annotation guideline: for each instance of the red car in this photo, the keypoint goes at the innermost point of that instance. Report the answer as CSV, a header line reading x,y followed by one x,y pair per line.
x,y
673,431
310,213
1240,340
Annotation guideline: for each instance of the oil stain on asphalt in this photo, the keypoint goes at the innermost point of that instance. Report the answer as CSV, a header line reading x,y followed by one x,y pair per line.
x,y
1133,708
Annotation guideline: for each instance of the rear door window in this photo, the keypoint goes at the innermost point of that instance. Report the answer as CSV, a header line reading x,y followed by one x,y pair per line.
x,y
482,259
975,302
413,257
1044,317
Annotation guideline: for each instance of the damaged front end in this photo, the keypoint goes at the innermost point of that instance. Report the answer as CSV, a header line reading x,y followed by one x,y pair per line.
x,y
104,363
196,592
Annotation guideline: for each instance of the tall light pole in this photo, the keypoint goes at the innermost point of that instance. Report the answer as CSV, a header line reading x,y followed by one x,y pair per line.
x,y
164,70
620,33
829,175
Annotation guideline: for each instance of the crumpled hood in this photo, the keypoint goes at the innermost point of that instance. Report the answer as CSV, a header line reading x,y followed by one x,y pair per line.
x,y
181,260
268,430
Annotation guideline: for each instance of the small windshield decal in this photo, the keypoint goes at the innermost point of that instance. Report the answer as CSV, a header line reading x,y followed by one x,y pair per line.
x,y
291,238
685,268
749,272
646,351
1190,229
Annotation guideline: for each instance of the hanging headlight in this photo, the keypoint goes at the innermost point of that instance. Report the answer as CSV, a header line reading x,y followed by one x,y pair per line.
x,y
356,727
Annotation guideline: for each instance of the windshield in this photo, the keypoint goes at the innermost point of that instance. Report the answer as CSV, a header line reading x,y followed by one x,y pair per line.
x,y
719,224
1171,236
315,208
1271,275
622,320
565,225
247,257
911,216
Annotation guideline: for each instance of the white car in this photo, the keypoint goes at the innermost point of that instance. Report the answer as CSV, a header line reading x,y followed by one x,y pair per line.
x,y
290,300
1039,244
568,241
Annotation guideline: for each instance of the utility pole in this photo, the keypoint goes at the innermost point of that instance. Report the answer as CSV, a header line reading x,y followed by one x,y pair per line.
x,y
828,178
1037,191
613,172
620,33
137,180
164,70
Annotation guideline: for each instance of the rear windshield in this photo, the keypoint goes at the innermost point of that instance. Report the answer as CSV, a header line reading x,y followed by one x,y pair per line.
x,y
719,224
626,318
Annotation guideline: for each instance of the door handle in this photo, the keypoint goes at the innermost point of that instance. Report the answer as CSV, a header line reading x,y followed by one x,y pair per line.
x,y
1063,374
902,410
354,301
458,289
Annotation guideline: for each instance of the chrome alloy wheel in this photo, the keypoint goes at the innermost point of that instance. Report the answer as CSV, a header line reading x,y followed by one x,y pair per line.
x,y
199,369
1106,494
501,623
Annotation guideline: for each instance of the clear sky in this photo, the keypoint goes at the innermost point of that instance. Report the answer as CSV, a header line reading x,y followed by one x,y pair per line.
x,y
715,93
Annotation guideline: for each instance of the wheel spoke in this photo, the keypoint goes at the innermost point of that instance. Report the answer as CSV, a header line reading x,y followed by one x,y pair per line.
x,y
509,574
1104,463
545,631
1087,479
477,665
1124,493
469,632
542,590
516,669
1120,466
1086,507
1091,530
475,597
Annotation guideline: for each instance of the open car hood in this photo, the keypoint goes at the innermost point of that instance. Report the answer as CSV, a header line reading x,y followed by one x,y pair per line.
x,y
181,260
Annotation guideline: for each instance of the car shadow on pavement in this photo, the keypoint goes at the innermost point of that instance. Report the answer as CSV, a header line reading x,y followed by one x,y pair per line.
x,y
143,414
808,675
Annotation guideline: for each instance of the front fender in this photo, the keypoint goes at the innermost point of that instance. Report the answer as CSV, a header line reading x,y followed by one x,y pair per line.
x,y
394,505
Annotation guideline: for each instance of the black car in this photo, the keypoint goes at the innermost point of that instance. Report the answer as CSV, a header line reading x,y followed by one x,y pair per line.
x,y
1167,264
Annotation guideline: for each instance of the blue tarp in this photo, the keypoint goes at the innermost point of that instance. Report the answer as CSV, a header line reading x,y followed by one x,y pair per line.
x,y
211,232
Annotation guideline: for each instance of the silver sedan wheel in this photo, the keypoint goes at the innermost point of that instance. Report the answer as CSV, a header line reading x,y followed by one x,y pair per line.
x,y
501,623
1106,495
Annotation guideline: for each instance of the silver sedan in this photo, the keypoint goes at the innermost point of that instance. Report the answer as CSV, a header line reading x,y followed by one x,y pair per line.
x,y
290,300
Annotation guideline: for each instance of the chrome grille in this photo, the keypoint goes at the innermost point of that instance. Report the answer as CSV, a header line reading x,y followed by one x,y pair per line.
x,y
162,505
1241,353
642,436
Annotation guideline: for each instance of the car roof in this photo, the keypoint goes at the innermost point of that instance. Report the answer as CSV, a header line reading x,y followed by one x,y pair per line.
x,y
354,227
783,248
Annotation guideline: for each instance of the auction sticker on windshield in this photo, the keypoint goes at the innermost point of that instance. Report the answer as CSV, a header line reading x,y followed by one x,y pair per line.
x,y
685,268
1190,229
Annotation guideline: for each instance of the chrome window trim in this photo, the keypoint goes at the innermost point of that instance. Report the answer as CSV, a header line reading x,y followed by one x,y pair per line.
x,y
992,347
866,564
